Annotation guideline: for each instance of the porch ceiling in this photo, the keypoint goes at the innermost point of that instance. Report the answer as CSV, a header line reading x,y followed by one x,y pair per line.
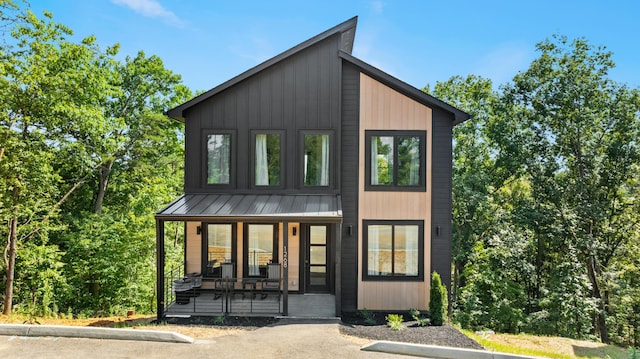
x,y
252,207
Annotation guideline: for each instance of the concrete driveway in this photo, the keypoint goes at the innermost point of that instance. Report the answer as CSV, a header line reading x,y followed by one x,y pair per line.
x,y
293,340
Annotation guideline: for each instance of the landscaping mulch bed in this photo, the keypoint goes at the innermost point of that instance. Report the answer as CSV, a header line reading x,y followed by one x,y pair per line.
x,y
446,335
352,325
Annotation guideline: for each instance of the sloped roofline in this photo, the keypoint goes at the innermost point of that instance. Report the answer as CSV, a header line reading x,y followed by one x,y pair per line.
x,y
347,29
404,88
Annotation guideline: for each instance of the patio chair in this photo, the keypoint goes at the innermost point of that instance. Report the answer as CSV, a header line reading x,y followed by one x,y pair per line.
x,y
272,282
226,283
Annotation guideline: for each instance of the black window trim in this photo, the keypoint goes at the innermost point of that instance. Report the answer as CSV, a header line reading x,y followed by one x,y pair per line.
x,y
245,245
205,240
394,278
252,158
421,187
232,159
332,161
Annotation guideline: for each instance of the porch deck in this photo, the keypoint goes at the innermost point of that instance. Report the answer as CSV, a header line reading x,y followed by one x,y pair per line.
x,y
307,305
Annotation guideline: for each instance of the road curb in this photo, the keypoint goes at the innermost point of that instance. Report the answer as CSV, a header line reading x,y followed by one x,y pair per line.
x,y
30,330
432,351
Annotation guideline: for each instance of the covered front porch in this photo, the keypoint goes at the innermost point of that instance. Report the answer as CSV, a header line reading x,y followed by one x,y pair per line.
x,y
252,255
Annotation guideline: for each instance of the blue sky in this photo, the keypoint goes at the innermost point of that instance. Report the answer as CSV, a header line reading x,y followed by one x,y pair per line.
x,y
420,42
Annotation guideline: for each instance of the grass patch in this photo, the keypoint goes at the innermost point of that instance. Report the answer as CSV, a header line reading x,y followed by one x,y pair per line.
x,y
551,347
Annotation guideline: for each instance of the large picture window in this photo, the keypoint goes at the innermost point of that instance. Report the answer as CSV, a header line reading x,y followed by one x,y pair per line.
x,y
219,243
268,157
393,250
218,161
395,160
260,248
317,160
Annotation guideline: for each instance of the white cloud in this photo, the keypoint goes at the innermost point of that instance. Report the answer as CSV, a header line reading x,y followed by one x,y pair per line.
x,y
150,8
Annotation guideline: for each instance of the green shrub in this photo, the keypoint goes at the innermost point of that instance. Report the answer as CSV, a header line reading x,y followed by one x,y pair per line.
x,y
368,316
438,300
415,314
394,321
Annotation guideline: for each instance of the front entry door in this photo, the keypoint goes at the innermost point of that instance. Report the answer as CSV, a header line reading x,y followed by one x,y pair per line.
x,y
317,259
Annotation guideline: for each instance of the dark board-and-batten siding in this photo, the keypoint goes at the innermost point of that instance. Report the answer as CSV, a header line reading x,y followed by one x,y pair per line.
x,y
349,185
300,92
441,205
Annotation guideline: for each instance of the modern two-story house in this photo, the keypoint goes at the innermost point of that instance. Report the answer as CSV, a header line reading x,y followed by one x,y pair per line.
x,y
324,164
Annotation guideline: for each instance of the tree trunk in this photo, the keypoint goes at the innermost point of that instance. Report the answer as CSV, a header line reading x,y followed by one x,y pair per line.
x,y
105,172
600,316
8,291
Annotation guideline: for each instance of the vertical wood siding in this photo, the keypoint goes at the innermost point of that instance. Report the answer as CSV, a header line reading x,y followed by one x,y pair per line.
x,y
193,248
382,108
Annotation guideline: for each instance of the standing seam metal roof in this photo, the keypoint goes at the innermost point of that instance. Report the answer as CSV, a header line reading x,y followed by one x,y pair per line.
x,y
254,206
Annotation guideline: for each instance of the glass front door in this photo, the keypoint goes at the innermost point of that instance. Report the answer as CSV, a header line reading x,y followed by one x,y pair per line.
x,y
317,259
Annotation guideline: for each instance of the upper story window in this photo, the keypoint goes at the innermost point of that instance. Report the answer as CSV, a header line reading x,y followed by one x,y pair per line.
x,y
219,158
316,159
395,160
268,158
393,250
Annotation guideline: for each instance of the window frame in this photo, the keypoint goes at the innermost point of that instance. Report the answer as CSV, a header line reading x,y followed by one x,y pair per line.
x,y
245,247
393,277
394,186
252,169
332,162
205,241
232,158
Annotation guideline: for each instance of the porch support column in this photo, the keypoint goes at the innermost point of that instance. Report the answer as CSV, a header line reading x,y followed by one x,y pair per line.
x,y
160,268
285,269
338,268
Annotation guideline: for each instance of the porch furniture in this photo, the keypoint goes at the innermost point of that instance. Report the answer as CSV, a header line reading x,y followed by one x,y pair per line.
x,y
272,282
196,283
182,287
225,285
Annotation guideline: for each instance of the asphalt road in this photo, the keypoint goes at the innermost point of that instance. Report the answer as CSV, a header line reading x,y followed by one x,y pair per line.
x,y
306,341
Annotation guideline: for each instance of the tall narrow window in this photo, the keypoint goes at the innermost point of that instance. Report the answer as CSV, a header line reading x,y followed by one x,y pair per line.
x,y
267,159
260,248
218,158
381,160
219,247
395,160
316,159
408,160
393,250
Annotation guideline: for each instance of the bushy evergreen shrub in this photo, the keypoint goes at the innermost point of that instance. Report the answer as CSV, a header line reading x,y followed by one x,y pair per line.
x,y
438,302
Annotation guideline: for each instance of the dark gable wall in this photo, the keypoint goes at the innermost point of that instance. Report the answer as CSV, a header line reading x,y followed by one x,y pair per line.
x,y
302,92
350,150
441,203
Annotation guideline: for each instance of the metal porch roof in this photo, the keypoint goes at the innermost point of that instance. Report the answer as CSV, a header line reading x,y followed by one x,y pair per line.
x,y
243,207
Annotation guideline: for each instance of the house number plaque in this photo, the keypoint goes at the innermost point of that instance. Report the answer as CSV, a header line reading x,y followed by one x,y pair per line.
x,y
285,257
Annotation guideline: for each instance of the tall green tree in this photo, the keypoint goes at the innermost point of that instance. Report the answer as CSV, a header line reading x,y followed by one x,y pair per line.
x,y
576,140
51,101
